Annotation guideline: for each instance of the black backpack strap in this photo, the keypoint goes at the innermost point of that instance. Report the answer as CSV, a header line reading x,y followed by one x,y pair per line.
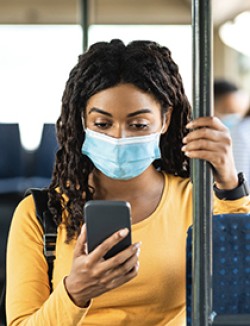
x,y
49,226
2,306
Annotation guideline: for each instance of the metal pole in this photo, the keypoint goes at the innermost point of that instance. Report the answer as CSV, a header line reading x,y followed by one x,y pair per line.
x,y
84,22
201,171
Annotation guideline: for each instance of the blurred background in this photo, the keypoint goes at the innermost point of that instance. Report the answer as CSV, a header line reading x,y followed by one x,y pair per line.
x,y
40,41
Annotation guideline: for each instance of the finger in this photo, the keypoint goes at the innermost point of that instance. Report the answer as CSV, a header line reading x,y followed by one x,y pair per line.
x,y
207,133
209,156
121,257
211,122
122,269
204,144
116,282
81,247
101,250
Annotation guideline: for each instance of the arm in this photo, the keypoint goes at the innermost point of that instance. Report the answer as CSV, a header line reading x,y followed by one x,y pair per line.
x,y
241,205
210,140
28,294
29,301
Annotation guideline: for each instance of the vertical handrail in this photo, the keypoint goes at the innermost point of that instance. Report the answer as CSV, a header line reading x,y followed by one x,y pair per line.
x,y
84,23
201,171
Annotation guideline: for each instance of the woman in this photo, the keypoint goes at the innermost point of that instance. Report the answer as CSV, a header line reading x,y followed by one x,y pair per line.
x,y
118,94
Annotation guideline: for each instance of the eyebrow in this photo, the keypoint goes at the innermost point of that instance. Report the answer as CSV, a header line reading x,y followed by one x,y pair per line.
x,y
99,111
129,115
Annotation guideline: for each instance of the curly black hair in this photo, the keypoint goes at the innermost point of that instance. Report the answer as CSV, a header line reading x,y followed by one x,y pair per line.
x,y
146,65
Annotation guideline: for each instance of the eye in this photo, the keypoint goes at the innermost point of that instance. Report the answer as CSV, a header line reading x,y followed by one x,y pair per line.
x,y
102,124
140,126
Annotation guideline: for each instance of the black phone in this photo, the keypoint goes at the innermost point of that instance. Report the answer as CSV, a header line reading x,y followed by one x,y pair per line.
x,y
103,218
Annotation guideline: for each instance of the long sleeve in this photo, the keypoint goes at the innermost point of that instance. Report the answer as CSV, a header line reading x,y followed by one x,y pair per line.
x,y
241,205
30,303
28,300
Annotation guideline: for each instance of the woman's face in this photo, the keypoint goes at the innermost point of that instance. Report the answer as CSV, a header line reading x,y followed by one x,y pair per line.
x,y
125,111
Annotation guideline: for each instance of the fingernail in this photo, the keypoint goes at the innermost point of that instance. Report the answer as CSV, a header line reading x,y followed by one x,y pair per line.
x,y
137,246
123,232
189,125
183,148
184,140
187,154
138,252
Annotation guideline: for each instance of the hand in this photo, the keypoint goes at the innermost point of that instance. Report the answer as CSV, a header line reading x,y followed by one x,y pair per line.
x,y
210,140
92,276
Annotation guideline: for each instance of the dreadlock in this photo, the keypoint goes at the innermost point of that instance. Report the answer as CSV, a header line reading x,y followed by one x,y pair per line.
x,y
144,64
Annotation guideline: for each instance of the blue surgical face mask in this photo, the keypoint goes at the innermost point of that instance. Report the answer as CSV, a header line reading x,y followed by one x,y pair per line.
x,y
121,158
231,120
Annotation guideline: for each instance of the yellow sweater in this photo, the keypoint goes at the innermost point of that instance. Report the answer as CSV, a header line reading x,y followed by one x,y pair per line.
x,y
155,297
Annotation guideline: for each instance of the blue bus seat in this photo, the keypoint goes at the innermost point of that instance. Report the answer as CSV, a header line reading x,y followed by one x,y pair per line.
x,y
44,156
12,166
231,266
10,149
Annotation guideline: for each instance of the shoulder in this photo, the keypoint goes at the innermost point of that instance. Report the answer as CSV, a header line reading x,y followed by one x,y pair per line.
x,y
180,183
178,200
178,188
25,222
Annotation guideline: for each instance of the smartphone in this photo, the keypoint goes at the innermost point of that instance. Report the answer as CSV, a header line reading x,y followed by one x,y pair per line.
x,y
103,218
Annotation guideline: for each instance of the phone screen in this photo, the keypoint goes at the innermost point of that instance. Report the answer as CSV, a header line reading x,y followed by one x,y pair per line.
x,y
103,218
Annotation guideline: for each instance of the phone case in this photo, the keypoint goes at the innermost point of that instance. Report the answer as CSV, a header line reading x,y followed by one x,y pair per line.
x,y
103,218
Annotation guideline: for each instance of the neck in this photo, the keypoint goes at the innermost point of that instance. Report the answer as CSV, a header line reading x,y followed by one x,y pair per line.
x,y
111,189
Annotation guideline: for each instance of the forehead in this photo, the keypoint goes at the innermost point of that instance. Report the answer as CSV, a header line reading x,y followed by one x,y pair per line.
x,y
123,97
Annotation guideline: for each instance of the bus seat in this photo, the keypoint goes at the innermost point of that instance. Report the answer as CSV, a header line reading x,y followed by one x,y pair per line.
x,y
231,266
44,156
10,149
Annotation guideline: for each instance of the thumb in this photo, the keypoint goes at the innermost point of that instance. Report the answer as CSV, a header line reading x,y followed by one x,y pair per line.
x,y
81,243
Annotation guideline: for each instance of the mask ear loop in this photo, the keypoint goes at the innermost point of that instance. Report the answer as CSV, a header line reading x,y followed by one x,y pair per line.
x,y
89,195
170,109
163,124
83,124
